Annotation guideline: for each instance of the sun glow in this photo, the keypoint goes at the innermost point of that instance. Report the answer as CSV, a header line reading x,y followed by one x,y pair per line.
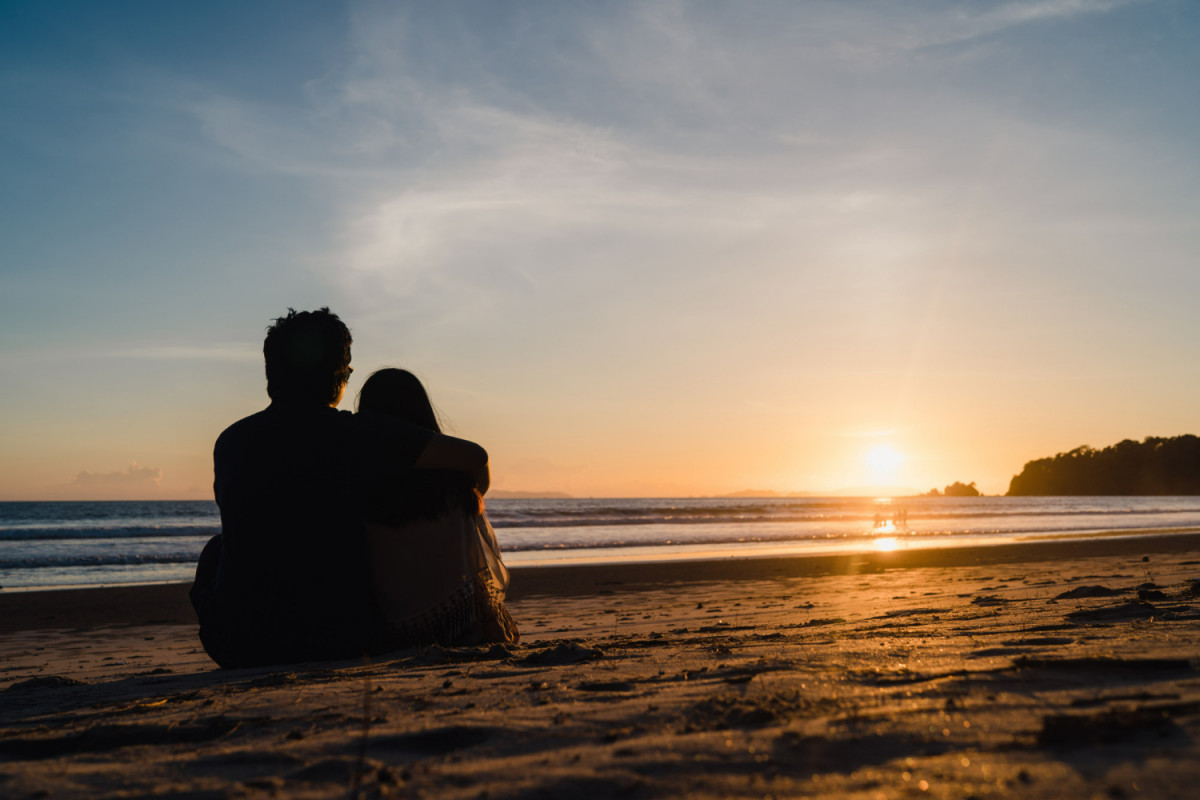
x,y
883,464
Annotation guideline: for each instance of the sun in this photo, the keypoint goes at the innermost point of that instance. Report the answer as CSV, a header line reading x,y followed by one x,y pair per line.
x,y
883,464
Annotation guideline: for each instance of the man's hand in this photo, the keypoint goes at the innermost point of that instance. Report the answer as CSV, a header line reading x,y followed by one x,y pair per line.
x,y
459,455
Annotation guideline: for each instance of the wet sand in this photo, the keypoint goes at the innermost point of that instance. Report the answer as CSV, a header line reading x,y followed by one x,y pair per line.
x,y
1036,670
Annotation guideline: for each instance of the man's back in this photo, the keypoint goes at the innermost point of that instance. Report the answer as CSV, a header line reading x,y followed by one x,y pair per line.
x,y
290,481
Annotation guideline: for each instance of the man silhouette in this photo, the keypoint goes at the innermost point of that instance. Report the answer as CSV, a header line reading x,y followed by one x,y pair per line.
x,y
286,580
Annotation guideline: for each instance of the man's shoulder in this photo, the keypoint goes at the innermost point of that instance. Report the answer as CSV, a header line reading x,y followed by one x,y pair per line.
x,y
275,426
363,433
244,427
276,416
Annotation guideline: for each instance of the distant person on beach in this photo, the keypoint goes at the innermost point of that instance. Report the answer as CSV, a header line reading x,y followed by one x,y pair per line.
x,y
436,573
287,579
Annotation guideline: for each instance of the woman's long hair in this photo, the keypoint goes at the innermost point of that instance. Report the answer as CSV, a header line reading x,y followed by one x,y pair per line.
x,y
420,493
398,393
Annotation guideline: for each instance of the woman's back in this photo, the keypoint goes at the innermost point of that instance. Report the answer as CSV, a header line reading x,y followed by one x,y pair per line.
x,y
435,563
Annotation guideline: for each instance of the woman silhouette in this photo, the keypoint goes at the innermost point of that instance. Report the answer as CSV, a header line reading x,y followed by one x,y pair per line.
x,y
436,573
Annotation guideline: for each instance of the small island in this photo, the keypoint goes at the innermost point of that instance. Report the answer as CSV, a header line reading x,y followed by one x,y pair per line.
x,y
956,489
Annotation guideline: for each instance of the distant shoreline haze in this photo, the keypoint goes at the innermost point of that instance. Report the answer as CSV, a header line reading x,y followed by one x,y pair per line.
x,y
1166,466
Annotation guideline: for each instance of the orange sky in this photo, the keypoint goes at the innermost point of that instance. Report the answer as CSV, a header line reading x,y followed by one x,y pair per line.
x,y
633,249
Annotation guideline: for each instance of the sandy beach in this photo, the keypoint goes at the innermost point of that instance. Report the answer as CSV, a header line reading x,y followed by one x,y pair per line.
x,y
1044,669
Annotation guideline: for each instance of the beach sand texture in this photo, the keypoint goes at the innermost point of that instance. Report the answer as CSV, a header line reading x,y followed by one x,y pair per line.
x,y
1051,670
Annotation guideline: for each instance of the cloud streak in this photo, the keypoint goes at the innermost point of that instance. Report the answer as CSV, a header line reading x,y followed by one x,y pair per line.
x,y
229,351
134,478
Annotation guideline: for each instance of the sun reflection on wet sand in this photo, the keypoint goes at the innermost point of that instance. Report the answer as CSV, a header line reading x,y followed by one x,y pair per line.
x,y
886,544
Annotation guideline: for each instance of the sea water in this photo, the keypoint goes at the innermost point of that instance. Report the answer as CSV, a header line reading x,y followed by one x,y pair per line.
x,y
49,544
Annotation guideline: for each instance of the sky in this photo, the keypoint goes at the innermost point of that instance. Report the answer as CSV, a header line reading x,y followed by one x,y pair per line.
x,y
632,248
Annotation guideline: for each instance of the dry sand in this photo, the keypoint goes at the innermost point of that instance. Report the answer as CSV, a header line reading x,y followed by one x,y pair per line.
x,y
1047,670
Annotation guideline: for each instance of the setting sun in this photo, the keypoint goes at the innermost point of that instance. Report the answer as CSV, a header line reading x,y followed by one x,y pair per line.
x,y
883,464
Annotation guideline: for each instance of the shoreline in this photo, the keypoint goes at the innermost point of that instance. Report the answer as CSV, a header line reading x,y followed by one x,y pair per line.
x,y
58,549
168,603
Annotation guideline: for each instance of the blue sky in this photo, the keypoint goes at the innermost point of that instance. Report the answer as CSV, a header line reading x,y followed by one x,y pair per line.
x,y
633,248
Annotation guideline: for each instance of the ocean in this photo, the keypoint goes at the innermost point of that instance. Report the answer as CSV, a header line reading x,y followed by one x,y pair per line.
x,y
57,544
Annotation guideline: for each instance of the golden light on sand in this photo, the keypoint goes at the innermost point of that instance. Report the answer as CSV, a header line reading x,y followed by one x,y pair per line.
x,y
887,544
883,464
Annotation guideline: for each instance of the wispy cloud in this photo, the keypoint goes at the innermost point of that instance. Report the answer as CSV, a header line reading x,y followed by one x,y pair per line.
x,y
233,351
1036,10
854,31
973,21
662,143
134,477
216,352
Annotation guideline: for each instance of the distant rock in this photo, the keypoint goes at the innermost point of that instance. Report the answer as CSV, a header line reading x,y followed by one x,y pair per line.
x,y
956,489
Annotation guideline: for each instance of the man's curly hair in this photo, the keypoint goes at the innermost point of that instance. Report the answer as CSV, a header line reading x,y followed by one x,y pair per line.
x,y
308,356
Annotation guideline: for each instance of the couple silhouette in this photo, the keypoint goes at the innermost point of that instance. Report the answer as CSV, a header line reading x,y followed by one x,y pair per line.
x,y
344,534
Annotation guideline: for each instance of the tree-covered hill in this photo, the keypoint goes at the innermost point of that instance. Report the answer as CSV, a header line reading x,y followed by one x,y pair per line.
x,y
1163,466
